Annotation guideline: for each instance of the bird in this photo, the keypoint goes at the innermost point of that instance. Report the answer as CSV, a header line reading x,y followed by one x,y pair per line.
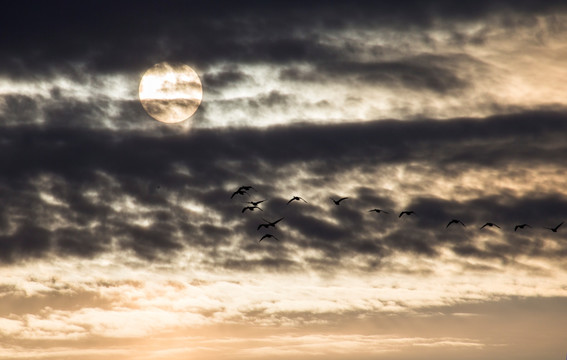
x,y
555,228
296,198
378,211
338,202
268,236
251,208
268,223
239,192
255,203
455,221
406,213
521,226
489,224
246,188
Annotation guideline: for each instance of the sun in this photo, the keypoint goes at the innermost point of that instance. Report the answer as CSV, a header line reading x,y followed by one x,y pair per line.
x,y
170,93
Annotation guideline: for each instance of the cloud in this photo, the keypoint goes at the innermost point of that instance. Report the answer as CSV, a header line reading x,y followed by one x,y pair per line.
x,y
161,194
61,36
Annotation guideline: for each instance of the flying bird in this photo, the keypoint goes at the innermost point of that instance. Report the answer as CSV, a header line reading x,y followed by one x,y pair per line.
x,y
489,224
378,211
251,208
406,213
338,202
555,228
268,236
521,226
455,221
255,203
268,224
296,198
239,192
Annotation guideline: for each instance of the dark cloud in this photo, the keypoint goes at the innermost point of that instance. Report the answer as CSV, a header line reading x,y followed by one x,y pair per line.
x,y
45,39
88,172
227,78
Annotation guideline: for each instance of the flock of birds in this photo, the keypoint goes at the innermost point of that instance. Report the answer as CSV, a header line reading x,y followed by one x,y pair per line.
x,y
243,190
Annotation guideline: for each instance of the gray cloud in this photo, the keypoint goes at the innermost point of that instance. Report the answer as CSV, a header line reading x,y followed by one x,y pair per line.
x,y
87,172
61,35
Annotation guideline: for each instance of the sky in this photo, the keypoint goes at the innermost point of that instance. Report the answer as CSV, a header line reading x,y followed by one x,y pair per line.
x,y
119,237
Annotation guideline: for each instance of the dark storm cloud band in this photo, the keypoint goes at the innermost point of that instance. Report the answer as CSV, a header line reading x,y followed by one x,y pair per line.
x,y
46,39
77,162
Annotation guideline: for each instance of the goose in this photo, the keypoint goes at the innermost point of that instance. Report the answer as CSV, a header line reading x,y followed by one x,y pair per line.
x,y
406,213
489,224
268,236
338,202
268,224
555,228
296,198
521,226
239,192
455,221
378,211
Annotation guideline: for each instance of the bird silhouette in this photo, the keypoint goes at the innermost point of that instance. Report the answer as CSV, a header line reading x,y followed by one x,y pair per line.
x,y
406,213
268,223
268,236
555,228
251,208
239,192
455,221
255,203
489,224
338,202
246,188
521,226
378,211
296,198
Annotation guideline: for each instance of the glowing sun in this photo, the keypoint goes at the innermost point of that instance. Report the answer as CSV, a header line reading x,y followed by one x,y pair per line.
x,y
170,93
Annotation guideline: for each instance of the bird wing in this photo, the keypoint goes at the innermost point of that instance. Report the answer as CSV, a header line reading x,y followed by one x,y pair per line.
x,y
277,221
243,210
290,201
557,227
516,227
234,193
497,226
341,199
261,225
483,225
450,222
303,200
403,212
